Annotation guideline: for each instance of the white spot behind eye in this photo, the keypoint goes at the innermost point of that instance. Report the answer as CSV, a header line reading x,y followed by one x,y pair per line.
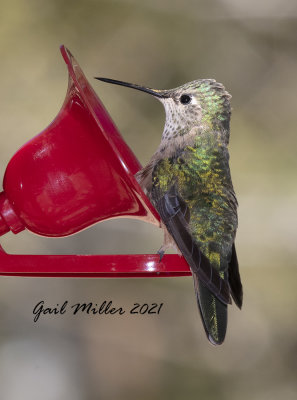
x,y
194,101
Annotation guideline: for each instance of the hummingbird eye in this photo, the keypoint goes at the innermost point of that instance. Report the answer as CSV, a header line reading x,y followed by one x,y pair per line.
x,y
185,99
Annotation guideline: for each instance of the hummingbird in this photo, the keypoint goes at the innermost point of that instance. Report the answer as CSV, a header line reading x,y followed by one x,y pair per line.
x,y
189,183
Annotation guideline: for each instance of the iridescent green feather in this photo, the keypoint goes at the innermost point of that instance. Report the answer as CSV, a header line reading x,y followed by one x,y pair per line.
x,y
202,175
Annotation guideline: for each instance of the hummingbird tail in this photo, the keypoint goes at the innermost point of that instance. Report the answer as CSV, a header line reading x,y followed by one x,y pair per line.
x,y
213,313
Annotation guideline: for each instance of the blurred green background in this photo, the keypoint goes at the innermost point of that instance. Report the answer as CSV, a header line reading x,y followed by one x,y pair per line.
x,y
251,47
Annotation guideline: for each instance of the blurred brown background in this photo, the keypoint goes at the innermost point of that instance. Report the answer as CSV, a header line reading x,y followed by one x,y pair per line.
x,y
251,47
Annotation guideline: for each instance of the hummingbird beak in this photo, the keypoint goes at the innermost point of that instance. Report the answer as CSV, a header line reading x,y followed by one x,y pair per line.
x,y
162,94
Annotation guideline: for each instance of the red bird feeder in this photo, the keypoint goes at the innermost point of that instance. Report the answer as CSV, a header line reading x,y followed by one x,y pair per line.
x,y
77,172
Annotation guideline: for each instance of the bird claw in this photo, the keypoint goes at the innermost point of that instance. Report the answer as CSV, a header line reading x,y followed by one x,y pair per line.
x,y
161,253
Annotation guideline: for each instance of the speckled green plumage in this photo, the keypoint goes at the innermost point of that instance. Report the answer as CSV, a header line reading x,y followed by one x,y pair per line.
x,y
202,174
213,104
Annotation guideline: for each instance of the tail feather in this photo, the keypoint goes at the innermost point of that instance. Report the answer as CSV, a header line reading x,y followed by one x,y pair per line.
x,y
213,313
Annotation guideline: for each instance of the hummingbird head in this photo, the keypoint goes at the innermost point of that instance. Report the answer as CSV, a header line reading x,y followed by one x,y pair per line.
x,y
203,104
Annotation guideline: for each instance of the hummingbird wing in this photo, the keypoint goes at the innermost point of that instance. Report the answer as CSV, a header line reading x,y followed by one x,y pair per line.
x,y
175,214
234,279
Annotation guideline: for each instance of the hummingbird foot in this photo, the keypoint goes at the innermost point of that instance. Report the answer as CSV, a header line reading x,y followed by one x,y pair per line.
x,y
168,243
161,253
166,246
